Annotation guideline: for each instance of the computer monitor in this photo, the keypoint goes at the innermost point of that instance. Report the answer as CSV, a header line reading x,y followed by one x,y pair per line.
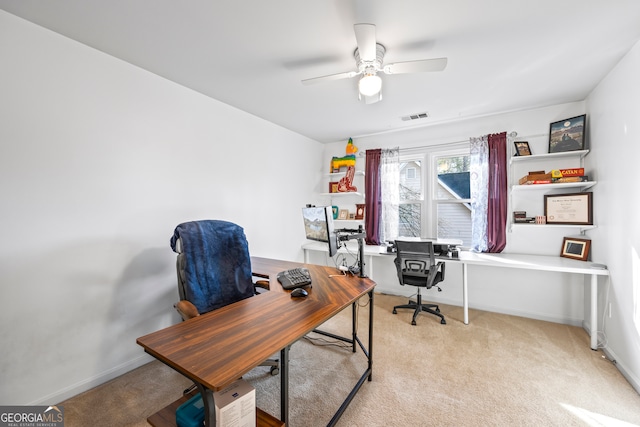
x,y
318,225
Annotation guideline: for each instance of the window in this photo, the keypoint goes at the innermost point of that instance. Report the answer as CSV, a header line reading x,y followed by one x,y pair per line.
x,y
452,199
435,201
411,198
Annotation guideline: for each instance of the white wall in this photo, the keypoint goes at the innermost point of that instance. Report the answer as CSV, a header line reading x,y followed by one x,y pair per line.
x,y
99,162
614,109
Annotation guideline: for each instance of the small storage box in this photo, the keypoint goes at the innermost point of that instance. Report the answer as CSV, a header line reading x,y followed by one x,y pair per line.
x,y
234,404
191,412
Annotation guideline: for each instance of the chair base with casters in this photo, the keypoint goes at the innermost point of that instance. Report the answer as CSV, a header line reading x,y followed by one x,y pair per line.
x,y
419,307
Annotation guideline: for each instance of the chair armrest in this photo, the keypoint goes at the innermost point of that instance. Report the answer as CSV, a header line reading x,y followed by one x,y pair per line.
x,y
186,310
264,284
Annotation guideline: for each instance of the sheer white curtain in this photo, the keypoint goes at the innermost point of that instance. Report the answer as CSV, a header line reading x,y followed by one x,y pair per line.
x,y
479,184
389,192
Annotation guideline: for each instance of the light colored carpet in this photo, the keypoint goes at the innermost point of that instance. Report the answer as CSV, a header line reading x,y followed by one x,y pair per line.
x,y
497,371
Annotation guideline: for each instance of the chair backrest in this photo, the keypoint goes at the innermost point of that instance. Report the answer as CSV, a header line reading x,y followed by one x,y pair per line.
x,y
416,264
213,265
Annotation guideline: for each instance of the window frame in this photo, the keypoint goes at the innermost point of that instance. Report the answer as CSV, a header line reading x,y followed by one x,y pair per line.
x,y
428,157
435,202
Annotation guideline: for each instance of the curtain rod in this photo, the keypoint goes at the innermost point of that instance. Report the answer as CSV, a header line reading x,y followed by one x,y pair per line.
x,y
512,134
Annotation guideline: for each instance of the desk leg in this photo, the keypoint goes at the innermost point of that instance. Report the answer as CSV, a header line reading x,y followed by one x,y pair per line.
x,y
370,359
594,312
465,294
354,336
209,405
284,385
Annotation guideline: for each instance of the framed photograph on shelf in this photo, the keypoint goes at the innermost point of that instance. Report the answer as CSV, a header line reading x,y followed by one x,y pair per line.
x,y
567,134
343,214
522,148
575,248
569,209
360,211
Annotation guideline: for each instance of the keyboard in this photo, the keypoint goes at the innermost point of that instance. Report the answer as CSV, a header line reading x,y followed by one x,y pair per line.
x,y
294,278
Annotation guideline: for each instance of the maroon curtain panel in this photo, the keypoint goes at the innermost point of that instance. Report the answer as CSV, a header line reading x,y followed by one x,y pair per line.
x,y
497,206
373,201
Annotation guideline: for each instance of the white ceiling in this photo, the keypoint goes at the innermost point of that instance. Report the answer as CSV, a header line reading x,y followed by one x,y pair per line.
x,y
504,55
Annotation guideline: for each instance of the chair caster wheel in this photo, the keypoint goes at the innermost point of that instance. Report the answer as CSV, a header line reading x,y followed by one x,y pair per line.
x,y
437,310
274,370
443,322
413,322
395,311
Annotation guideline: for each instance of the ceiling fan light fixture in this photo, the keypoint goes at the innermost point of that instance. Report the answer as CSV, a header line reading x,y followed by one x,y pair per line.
x,y
369,85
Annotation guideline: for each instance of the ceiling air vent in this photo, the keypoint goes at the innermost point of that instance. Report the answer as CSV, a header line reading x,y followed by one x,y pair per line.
x,y
415,117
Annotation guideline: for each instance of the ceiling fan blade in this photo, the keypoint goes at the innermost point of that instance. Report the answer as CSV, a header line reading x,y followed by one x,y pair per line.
x,y
437,64
330,77
366,40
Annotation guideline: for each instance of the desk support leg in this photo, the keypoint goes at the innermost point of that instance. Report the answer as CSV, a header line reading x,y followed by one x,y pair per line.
x,y
465,294
284,385
594,312
370,335
209,405
354,336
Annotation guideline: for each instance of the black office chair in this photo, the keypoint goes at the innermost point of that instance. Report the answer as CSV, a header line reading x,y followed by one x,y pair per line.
x,y
214,269
416,265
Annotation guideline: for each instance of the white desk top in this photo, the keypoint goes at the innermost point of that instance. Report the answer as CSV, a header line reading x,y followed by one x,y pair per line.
x,y
534,262
523,261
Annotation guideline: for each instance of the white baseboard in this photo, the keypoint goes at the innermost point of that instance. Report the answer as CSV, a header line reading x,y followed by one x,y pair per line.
x,y
93,381
634,381
492,309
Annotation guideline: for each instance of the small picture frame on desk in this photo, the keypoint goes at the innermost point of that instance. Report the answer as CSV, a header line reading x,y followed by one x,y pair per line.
x,y
522,148
343,214
575,248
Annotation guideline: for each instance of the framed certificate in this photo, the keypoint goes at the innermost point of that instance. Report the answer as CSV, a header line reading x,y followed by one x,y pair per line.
x,y
575,208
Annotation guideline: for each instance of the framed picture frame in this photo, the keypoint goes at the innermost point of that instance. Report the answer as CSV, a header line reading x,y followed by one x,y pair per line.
x,y
575,248
522,148
333,187
569,209
567,134
343,214
359,211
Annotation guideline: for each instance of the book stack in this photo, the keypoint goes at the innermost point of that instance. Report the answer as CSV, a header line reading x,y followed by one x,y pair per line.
x,y
520,217
556,175
536,177
569,175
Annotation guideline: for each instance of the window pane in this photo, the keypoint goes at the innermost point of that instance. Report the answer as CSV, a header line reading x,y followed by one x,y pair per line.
x,y
411,180
410,220
454,222
453,177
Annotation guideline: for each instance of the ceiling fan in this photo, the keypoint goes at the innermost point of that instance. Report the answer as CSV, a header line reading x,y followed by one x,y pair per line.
x,y
369,56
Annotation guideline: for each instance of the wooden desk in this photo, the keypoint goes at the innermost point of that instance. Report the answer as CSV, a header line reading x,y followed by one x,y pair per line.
x,y
215,349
